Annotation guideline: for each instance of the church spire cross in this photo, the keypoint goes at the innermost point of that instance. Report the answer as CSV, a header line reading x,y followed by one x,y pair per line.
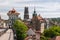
x,y
34,10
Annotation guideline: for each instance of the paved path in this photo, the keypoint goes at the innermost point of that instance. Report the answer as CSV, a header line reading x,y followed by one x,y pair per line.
x,y
8,35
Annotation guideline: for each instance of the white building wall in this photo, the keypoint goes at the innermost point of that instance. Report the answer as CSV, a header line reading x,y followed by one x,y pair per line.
x,y
42,27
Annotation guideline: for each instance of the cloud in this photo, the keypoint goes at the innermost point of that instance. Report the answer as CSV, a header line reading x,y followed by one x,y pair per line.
x,y
43,7
4,3
50,15
22,0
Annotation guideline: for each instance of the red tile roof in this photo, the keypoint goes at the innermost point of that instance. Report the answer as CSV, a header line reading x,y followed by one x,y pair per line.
x,y
13,11
39,18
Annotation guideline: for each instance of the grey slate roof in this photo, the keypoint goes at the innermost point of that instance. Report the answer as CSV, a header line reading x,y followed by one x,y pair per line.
x,y
30,32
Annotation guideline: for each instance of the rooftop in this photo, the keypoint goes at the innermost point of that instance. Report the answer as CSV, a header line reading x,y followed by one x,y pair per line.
x,y
13,11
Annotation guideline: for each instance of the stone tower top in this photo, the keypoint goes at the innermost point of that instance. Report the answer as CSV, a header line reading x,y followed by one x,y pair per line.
x,y
26,13
26,10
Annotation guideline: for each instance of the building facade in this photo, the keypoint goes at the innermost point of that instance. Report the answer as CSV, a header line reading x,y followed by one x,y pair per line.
x,y
13,15
3,23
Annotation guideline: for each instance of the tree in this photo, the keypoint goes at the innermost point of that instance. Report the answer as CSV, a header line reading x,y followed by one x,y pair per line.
x,y
52,32
21,29
42,37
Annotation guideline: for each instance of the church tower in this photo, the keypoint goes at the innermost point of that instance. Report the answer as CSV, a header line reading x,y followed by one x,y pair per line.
x,y
26,14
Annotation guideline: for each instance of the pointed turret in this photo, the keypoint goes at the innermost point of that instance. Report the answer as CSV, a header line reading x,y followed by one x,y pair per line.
x,y
34,14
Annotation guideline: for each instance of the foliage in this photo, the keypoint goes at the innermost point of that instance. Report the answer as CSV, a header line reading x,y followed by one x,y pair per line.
x,y
52,32
42,37
21,29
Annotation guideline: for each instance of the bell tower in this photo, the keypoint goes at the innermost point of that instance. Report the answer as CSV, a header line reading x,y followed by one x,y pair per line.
x,y
26,14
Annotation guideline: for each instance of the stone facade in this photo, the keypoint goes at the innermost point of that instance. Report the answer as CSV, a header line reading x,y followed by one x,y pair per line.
x,y
3,23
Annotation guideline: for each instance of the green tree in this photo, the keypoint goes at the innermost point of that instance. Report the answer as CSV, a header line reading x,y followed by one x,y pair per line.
x,y
42,37
21,29
52,31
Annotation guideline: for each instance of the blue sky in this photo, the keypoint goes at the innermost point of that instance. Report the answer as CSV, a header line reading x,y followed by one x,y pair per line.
x,y
47,8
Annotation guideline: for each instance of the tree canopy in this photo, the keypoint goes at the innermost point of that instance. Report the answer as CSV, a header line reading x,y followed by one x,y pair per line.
x,y
52,32
21,29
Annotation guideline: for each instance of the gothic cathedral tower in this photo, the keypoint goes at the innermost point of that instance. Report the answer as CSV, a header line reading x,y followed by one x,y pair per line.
x,y
26,14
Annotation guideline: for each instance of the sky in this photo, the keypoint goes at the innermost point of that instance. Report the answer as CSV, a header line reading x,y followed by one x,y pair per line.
x,y
46,8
